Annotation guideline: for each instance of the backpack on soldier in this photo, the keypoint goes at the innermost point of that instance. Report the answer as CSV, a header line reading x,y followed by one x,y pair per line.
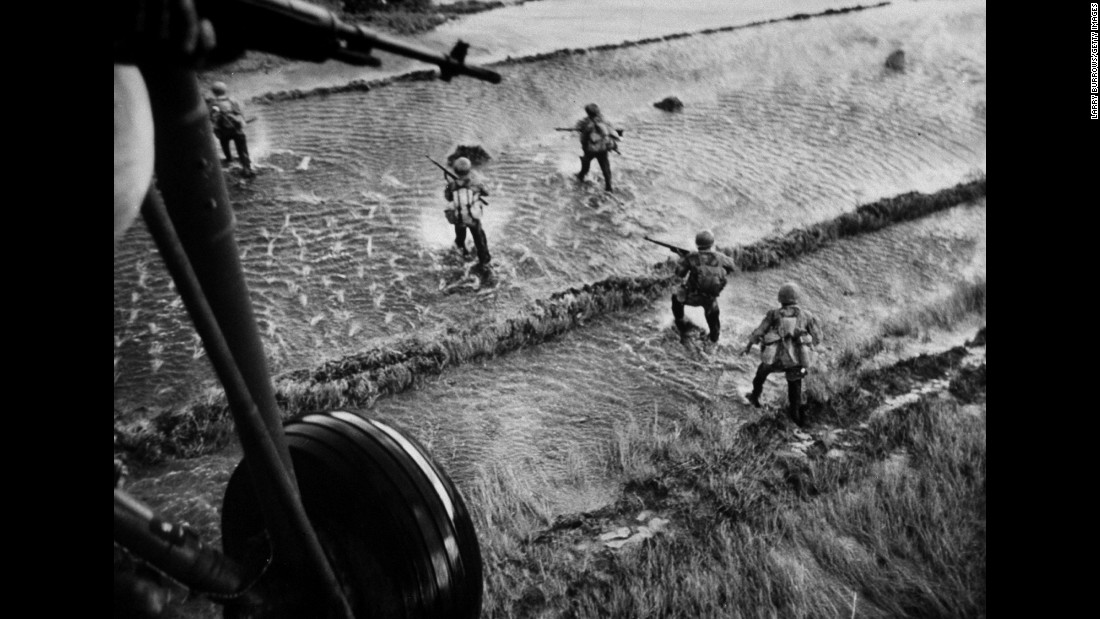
x,y
598,136
466,209
709,275
796,342
223,119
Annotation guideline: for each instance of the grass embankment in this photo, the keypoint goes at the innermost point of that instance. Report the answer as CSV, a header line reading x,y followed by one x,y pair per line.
x,y
408,17
355,381
892,527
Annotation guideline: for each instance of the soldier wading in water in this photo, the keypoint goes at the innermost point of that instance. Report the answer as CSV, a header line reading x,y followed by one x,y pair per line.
x,y
787,338
706,272
229,122
466,191
598,139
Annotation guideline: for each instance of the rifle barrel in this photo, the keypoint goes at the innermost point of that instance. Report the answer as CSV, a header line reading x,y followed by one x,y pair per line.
x,y
441,167
304,31
678,250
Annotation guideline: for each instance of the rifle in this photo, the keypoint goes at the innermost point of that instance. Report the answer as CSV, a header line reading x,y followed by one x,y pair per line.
x,y
299,30
450,175
677,250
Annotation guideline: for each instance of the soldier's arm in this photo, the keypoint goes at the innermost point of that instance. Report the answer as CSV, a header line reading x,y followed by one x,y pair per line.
x,y
759,332
236,110
762,329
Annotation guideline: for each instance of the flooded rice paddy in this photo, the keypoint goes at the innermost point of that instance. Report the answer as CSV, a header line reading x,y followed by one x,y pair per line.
x,y
783,125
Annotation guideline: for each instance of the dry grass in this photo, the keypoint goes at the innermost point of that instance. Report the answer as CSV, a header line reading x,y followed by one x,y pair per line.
x,y
968,298
759,534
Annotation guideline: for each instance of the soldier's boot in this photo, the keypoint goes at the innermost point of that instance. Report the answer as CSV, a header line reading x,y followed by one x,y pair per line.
x,y
585,163
794,394
682,329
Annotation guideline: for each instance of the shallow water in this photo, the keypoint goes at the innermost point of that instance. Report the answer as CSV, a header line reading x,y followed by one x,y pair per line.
x,y
545,407
784,125
548,414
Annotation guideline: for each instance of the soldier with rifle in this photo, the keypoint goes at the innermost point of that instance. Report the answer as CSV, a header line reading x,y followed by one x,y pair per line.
x,y
466,192
787,337
705,271
229,122
598,138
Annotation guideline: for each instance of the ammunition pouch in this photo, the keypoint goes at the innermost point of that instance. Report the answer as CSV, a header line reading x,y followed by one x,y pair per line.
x,y
804,350
769,347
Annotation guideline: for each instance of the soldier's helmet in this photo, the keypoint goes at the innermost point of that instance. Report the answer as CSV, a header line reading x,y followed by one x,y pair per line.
x,y
462,165
592,109
789,293
218,88
704,240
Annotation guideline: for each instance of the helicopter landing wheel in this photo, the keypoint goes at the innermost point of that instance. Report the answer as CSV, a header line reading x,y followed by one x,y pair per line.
x,y
393,525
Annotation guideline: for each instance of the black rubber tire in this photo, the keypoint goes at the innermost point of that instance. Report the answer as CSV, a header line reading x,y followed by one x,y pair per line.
x,y
393,524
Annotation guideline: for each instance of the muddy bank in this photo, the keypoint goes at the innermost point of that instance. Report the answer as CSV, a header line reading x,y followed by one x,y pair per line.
x,y
357,380
431,74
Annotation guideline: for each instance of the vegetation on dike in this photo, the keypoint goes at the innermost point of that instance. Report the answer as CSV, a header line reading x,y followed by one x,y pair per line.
x,y
355,381
893,525
407,17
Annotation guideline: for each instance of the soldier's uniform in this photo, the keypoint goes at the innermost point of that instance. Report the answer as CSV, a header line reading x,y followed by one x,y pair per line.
x,y
787,337
598,138
466,209
228,120
706,272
